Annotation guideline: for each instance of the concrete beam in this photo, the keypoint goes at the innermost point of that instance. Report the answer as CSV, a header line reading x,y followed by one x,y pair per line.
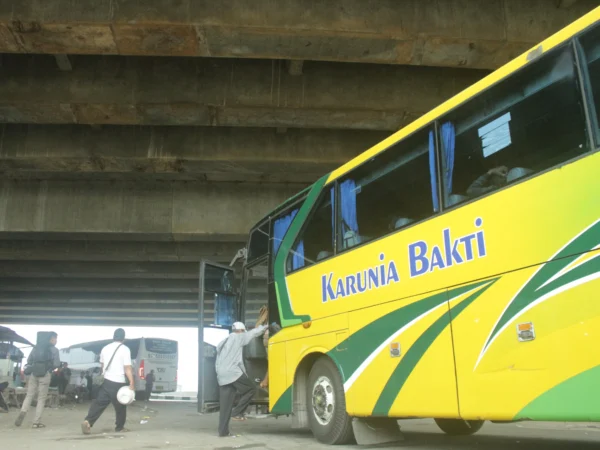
x,y
176,210
450,33
98,298
294,67
63,62
177,153
112,250
218,92
565,3
105,285
88,269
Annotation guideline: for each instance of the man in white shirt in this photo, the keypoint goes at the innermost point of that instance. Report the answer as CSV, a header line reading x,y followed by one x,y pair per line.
x,y
115,360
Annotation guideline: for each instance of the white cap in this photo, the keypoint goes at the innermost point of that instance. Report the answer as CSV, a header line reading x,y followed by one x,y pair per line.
x,y
125,396
238,326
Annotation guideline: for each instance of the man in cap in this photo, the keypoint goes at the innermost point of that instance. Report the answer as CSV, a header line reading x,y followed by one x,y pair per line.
x,y
115,360
231,375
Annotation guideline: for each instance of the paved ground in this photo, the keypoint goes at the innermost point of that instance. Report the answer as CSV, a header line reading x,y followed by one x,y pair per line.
x,y
178,426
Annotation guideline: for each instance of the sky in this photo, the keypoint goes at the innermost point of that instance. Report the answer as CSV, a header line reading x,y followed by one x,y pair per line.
x,y
186,337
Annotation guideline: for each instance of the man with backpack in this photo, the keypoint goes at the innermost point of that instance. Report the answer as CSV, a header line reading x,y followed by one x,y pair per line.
x,y
115,359
42,360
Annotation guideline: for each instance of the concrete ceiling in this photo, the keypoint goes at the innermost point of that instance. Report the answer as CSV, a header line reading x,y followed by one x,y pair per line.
x,y
137,138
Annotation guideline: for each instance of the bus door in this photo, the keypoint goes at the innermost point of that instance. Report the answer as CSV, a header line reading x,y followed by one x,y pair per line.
x,y
217,308
255,294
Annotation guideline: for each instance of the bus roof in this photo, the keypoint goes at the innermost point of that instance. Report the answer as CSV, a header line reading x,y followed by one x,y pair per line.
x,y
97,346
520,61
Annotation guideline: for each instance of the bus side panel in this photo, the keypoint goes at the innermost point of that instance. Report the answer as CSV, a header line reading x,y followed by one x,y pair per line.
x,y
552,377
399,361
279,399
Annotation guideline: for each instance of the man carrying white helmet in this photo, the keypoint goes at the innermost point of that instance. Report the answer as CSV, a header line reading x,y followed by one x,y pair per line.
x,y
232,377
115,360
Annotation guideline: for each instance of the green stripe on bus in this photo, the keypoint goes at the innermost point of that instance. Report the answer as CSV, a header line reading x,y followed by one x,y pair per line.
x,y
575,399
532,291
284,403
366,340
417,350
286,313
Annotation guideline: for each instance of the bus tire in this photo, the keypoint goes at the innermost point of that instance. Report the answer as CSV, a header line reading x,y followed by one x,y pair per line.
x,y
326,404
459,427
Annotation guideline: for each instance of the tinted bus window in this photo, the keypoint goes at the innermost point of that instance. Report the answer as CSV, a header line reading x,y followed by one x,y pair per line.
x,y
390,192
317,239
591,47
527,123
259,242
161,346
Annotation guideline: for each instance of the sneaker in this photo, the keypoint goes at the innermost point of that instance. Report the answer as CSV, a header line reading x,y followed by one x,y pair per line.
x,y
122,430
20,419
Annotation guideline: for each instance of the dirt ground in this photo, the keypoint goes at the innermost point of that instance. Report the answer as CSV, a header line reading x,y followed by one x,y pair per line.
x,y
178,426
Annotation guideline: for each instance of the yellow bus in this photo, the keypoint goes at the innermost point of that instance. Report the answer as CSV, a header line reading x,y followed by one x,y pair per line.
x,y
451,271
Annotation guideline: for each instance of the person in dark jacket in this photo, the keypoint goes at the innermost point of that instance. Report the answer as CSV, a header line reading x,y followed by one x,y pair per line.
x,y
90,383
150,378
44,358
3,405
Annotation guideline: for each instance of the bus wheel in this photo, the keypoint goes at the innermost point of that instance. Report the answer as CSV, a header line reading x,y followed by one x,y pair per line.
x,y
329,421
459,427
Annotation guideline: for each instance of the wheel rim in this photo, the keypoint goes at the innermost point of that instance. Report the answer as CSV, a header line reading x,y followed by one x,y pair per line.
x,y
323,400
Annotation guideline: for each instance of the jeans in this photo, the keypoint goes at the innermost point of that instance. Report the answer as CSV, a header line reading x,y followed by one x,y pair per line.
x,y
107,395
3,404
41,385
246,388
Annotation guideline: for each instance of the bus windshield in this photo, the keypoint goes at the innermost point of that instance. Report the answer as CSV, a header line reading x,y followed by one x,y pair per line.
x,y
163,346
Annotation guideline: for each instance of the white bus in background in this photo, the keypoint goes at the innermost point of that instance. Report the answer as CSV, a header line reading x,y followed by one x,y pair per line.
x,y
160,355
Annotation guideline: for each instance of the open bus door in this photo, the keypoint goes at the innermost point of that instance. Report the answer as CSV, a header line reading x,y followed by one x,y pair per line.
x,y
220,306
217,308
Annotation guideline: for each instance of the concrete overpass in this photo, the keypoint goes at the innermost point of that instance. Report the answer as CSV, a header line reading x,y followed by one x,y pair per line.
x,y
137,138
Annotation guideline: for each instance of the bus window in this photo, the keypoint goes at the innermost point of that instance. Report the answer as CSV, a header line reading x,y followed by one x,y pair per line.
x,y
256,292
525,124
280,227
387,193
163,346
259,242
316,240
591,47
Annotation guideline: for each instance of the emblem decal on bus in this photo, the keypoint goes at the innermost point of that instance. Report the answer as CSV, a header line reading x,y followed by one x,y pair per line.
x,y
454,251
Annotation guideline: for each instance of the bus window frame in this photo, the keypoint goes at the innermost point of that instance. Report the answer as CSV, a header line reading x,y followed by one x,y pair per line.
x,y
254,229
591,147
242,307
431,126
297,203
313,211
592,115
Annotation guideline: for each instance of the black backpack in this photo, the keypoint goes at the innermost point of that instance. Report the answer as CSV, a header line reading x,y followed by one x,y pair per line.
x,y
41,362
